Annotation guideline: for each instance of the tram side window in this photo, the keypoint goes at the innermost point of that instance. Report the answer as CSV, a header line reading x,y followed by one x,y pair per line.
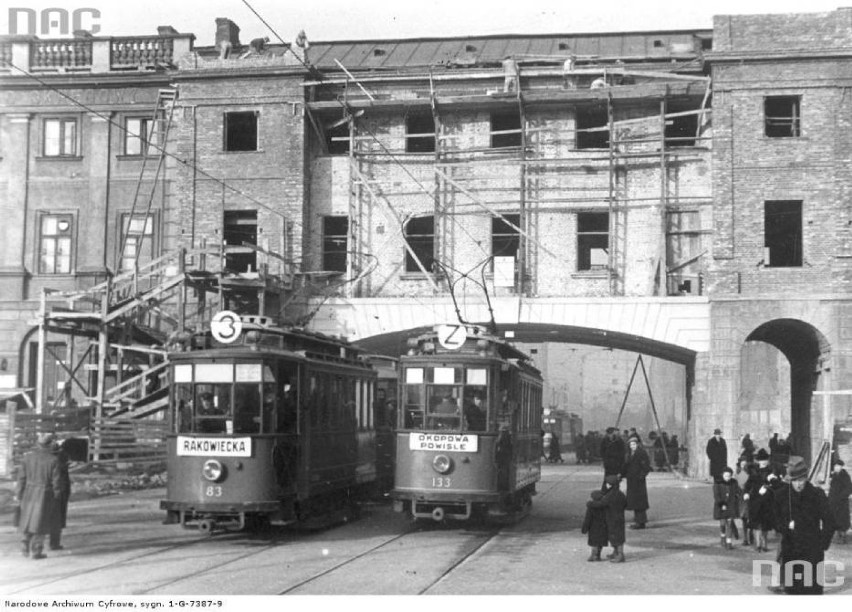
x,y
413,407
183,414
247,408
213,408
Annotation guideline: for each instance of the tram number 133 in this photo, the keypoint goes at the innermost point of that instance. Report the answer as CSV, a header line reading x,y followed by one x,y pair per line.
x,y
213,491
441,482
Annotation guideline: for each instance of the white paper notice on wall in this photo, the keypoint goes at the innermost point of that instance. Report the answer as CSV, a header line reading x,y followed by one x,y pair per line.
x,y
504,271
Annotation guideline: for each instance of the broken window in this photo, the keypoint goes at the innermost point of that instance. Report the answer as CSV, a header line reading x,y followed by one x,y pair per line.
x,y
782,114
337,139
420,133
240,235
505,122
505,239
681,129
241,131
138,134
60,138
55,244
335,233
592,128
782,228
137,237
420,236
592,241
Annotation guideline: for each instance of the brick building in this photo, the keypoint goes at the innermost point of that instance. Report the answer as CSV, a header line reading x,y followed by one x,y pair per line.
x,y
369,188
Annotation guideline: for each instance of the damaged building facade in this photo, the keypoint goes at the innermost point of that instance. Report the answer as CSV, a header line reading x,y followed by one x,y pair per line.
x,y
605,189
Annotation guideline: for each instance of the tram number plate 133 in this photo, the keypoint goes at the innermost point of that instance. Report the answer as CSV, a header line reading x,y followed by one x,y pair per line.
x,y
212,491
441,482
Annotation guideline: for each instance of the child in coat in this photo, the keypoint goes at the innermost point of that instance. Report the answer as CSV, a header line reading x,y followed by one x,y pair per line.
x,y
615,503
595,525
726,506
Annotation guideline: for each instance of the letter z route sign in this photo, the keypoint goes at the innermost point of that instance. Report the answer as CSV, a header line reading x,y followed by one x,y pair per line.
x,y
452,336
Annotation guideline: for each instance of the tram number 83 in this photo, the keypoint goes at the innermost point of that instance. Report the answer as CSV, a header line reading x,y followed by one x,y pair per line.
x,y
441,482
213,491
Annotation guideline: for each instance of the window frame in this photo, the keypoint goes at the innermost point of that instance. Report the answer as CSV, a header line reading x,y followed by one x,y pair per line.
x,y
586,241
62,138
583,121
511,235
419,242
338,147
418,139
123,228
328,239
225,131
780,126
54,237
505,141
774,239
145,136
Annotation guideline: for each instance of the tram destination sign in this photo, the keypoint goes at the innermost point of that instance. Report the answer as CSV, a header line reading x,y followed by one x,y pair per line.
x,y
453,443
213,447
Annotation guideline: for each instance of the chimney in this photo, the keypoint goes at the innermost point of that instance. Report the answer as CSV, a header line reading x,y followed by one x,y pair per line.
x,y
166,31
227,32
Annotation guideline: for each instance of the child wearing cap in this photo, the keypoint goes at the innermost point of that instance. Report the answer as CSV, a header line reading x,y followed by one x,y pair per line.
x,y
594,524
614,502
726,498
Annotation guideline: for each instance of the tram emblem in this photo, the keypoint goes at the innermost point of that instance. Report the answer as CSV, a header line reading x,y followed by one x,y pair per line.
x,y
226,326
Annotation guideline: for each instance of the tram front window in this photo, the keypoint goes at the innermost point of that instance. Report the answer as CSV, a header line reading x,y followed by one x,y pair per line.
x,y
213,409
443,411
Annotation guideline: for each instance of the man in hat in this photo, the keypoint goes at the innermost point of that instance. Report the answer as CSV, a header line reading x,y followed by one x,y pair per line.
x,y
838,498
804,519
39,483
717,452
613,452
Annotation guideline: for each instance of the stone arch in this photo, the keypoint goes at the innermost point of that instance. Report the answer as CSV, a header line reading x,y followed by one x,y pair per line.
x,y
806,350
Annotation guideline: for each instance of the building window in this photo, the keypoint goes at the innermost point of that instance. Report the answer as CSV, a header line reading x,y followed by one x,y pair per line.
x,y
60,137
420,236
335,234
419,133
592,128
241,131
138,135
681,130
505,122
55,244
505,239
782,224
337,139
137,238
783,115
592,241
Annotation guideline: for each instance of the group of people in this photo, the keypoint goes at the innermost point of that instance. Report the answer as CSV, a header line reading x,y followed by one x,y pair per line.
x,y
587,447
43,491
768,495
605,521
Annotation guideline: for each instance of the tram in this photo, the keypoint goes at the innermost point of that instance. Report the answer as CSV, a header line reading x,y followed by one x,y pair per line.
x,y
270,424
468,442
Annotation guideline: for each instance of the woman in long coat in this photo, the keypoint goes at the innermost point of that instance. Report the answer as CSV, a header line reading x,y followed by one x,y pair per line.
x,y
838,499
636,469
39,482
759,493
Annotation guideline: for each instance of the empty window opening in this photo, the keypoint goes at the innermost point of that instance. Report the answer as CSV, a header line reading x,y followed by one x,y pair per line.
x,y
240,234
509,123
592,241
241,131
379,52
420,133
783,116
658,44
469,48
337,139
681,129
335,234
783,234
592,128
420,236
55,244
505,239
60,138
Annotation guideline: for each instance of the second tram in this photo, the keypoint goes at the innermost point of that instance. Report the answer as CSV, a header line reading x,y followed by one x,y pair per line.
x,y
277,425
468,442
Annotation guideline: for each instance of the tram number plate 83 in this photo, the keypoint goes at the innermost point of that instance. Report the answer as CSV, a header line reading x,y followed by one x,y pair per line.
x,y
441,482
212,491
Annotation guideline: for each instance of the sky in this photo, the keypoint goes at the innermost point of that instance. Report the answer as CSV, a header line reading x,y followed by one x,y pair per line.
x,y
365,19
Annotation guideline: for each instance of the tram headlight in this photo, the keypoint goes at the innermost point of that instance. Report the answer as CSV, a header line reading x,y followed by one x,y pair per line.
x,y
213,470
442,464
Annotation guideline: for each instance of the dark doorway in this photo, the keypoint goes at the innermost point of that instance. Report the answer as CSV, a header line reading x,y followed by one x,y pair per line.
x,y
240,235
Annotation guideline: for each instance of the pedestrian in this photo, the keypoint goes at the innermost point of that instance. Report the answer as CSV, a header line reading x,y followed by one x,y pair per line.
x,y
503,455
64,494
747,448
717,452
555,450
636,470
726,496
613,452
614,502
39,482
807,528
759,493
674,451
580,448
594,524
659,454
838,498
744,472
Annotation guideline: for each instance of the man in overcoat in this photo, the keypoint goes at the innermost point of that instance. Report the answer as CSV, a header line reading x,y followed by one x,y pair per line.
x,y
807,527
838,498
717,452
612,453
62,498
636,469
39,483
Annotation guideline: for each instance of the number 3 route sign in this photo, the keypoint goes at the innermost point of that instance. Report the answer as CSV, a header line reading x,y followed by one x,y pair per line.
x,y
226,326
452,336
